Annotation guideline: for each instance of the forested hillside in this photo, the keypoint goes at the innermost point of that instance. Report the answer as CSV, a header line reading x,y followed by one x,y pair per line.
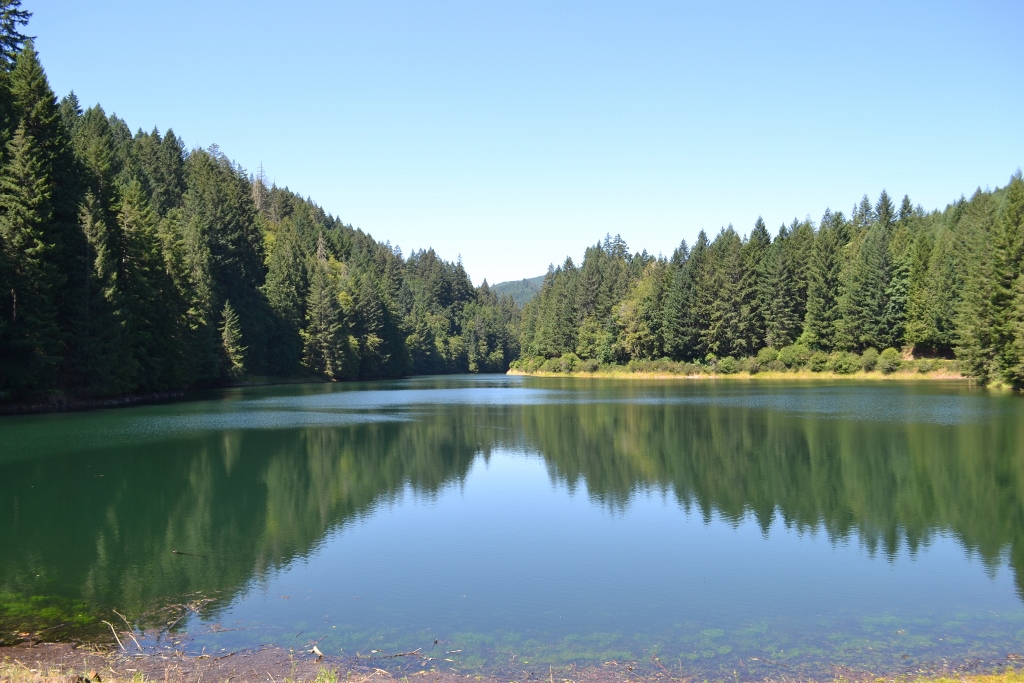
x,y
130,264
935,284
521,291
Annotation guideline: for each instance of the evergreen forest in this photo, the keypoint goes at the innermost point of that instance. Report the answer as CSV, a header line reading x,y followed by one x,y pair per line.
x,y
130,264
866,291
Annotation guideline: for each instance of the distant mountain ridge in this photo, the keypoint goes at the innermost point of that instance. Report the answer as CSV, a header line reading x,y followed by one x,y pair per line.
x,y
521,291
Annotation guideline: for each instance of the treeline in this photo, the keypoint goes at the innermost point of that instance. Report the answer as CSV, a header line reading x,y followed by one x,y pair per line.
x,y
130,264
939,285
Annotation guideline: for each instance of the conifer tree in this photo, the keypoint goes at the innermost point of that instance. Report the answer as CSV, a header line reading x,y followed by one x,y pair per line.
x,y
674,305
323,341
824,290
754,303
865,296
720,299
885,212
1008,289
12,39
782,317
683,327
976,318
231,342
918,331
29,333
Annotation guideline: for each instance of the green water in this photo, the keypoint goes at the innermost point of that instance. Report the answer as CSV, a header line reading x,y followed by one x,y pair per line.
x,y
727,529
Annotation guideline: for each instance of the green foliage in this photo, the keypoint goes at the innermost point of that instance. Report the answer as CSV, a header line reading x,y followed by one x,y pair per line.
x,y
818,362
844,363
11,39
728,366
795,355
231,341
889,361
767,355
869,359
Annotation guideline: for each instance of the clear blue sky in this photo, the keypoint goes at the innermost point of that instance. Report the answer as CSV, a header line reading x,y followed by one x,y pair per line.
x,y
516,133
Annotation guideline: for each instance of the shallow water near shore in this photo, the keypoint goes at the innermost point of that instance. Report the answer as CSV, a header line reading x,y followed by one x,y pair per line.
x,y
491,522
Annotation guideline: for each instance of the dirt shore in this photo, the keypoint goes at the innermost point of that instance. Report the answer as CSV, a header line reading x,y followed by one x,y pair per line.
x,y
71,663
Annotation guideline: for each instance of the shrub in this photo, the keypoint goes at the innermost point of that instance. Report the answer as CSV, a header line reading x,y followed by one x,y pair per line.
x,y
924,365
818,361
728,366
844,363
795,355
589,365
767,355
777,366
889,361
869,359
751,365
568,362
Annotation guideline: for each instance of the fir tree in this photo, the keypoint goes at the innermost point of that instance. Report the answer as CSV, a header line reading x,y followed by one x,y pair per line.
x,y
865,299
231,342
29,333
11,39
824,291
754,303
323,349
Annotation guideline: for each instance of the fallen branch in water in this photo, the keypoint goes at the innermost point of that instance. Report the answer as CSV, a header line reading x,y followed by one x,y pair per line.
x,y
115,634
130,631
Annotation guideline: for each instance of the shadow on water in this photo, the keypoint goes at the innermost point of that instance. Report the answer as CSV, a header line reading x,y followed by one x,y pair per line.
x,y
160,511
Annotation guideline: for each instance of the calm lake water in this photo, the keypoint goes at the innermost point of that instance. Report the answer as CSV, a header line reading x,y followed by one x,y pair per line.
x,y
758,528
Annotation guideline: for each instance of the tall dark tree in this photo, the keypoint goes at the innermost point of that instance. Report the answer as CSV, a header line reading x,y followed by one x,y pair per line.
x,y
865,297
29,332
824,290
11,38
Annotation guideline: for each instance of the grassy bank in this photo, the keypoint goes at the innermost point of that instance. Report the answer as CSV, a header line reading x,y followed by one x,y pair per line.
x,y
793,362
614,373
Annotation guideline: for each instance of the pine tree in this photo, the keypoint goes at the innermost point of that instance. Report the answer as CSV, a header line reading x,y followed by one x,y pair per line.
x,y
906,210
824,291
231,342
29,333
918,330
323,341
783,319
152,309
1008,289
865,297
673,309
885,212
720,297
752,315
35,107
976,318
11,39
683,326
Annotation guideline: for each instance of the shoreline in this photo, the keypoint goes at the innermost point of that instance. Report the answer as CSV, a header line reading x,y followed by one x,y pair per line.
x,y
60,403
83,663
802,375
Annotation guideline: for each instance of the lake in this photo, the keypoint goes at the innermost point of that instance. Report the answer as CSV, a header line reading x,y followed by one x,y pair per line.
x,y
489,523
